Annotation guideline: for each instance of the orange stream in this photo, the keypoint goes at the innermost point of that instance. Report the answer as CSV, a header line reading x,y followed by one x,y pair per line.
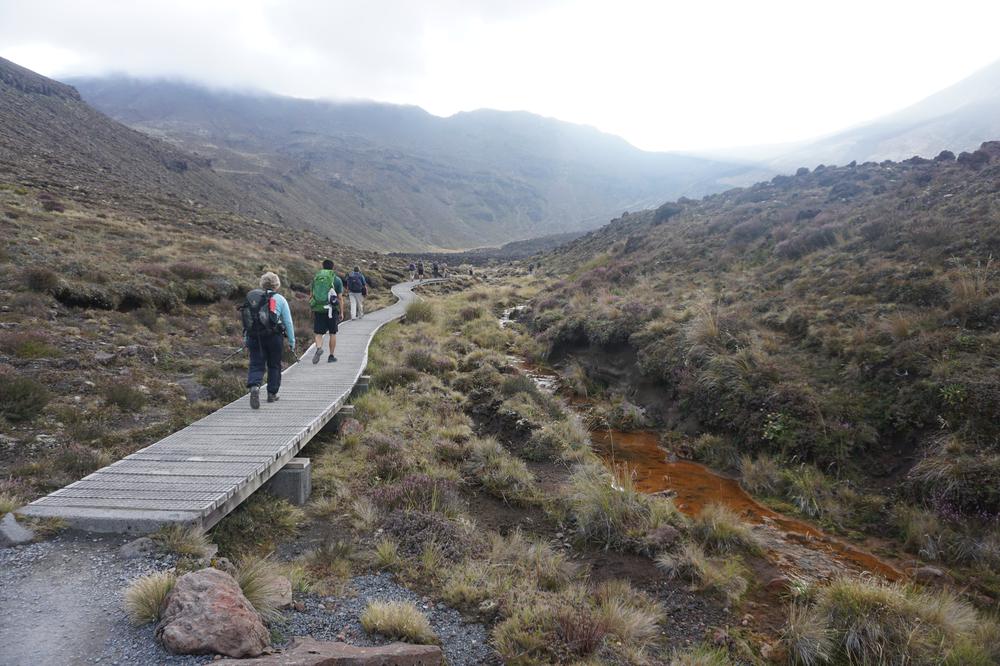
x,y
695,486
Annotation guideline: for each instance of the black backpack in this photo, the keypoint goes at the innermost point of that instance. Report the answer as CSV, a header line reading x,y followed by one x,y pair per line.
x,y
260,314
355,283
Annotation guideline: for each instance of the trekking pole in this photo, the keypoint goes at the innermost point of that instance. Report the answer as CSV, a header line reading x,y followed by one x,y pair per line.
x,y
233,354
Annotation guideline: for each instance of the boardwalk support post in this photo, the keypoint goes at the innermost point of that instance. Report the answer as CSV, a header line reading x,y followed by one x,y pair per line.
x,y
292,482
361,387
346,412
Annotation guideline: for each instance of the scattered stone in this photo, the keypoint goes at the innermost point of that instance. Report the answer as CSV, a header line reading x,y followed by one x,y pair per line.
x,y
928,575
104,357
137,548
206,613
283,592
663,537
310,652
351,426
12,533
774,653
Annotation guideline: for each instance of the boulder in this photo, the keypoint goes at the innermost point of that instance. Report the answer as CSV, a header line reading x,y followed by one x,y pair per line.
x,y
351,426
12,533
137,548
283,592
310,652
928,575
206,613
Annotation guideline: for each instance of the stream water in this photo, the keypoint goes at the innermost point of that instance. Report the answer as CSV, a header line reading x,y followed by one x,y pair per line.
x,y
790,543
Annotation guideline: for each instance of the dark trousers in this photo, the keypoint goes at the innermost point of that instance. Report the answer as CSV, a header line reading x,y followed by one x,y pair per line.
x,y
265,351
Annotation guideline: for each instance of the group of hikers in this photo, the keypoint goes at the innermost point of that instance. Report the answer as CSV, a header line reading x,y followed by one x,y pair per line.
x,y
417,270
267,323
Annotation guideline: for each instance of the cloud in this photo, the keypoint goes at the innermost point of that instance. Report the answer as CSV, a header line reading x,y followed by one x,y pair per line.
x,y
665,75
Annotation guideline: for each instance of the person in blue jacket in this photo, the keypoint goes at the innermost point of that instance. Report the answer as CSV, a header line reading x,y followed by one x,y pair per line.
x,y
266,345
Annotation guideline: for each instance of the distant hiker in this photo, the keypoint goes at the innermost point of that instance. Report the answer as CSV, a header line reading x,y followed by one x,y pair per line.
x,y
531,268
267,320
420,270
434,270
327,307
357,287
471,274
413,271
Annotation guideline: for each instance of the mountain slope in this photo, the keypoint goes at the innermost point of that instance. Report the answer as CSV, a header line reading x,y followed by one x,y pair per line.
x,y
957,118
473,179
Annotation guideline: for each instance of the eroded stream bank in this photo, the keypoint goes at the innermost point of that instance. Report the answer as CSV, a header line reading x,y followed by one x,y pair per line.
x,y
796,547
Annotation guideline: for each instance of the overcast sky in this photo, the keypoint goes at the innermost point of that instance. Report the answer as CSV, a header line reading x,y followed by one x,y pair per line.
x,y
664,75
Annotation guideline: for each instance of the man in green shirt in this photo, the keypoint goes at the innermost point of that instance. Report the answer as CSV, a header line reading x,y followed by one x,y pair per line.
x,y
328,309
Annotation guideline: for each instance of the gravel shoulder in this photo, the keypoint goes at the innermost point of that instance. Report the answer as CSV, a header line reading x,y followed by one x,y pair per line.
x,y
61,603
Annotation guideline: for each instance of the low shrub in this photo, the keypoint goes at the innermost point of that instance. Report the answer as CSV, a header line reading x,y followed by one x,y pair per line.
x,y
124,397
41,280
398,620
420,311
257,525
22,398
389,376
27,345
417,492
414,531
760,475
145,596
189,270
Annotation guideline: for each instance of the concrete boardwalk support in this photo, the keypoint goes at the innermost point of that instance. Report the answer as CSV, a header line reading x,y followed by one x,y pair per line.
x,y
199,474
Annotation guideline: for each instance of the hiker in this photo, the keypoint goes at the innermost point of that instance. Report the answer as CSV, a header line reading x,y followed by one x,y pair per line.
x,y
420,270
434,270
327,307
357,288
413,271
267,321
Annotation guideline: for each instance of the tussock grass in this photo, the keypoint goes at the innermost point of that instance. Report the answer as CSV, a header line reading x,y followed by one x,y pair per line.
x,y
183,540
760,475
257,525
701,656
145,596
499,472
420,311
865,621
9,502
260,580
21,398
725,576
399,620
364,513
608,509
720,530
387,553
628,614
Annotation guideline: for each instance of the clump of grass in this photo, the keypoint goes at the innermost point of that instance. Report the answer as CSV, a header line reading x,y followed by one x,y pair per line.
x,y
331,560
145,597
702,655
189,270
22,398
725,576
627,613
399,620
608,509
387,553
865,621
364,513
420,311
257,525
499,472
9,502
261,583
720,530
808,489
183,540
28,345
760,475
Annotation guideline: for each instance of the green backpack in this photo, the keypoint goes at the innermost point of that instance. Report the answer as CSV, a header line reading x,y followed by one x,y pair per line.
x,y
322,284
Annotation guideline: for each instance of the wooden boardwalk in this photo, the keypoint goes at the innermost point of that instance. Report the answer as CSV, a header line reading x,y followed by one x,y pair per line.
x,y
199,474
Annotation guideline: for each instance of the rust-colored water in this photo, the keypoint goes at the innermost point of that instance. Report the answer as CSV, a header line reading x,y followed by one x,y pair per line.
x,y
694,486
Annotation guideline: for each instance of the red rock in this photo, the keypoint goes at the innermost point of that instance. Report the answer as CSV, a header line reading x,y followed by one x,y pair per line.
x,y
310,652
928,575
351,427
207,613
778,585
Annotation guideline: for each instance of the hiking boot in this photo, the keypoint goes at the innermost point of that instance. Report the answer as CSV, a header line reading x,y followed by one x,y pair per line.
x,y
254,397
317,356
272,397
331,359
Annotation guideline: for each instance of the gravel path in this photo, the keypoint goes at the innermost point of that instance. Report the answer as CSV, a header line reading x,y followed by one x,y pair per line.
x,y
337,618
61,603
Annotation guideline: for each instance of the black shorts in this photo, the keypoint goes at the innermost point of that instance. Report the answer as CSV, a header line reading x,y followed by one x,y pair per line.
x,y
324,324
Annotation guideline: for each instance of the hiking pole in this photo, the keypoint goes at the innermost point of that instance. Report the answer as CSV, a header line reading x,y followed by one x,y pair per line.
x,y
233,354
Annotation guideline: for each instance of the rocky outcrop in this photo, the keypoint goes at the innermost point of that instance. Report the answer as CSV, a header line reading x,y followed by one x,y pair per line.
x,y
206,613
12,533
310,652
